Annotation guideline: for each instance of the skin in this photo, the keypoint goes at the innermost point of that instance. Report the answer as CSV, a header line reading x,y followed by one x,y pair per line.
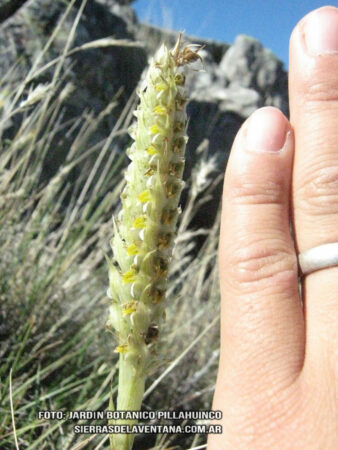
x,y
277,384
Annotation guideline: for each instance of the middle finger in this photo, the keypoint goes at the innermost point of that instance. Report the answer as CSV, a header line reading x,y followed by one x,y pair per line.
x,y
314,109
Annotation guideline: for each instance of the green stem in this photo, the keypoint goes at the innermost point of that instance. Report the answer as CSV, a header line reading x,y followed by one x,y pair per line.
x,y
130,395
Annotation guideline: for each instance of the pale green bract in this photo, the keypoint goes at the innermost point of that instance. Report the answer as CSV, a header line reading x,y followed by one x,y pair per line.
x,y
144,231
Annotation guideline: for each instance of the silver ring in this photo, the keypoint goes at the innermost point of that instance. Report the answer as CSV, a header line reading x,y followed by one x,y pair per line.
x,y
317,258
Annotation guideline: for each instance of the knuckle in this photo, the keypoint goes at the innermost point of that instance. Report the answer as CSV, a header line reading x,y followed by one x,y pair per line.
x,y
321,92
255,193
267,263
318,195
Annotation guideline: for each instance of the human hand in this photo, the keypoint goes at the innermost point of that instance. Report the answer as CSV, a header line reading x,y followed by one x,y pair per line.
x,y
277,384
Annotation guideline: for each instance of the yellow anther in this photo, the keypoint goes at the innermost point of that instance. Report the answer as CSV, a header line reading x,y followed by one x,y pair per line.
x,y
155,129
149,172
132,249
129,276
128,311
151,150
144,197
128,308
160,87
121,349
160,110
139,222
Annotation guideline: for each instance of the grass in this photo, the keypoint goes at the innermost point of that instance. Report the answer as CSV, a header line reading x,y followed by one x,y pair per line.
x,y
55,352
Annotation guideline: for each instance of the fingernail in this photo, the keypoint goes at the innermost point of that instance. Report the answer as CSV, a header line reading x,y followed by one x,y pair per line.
x,y
321,31
266,130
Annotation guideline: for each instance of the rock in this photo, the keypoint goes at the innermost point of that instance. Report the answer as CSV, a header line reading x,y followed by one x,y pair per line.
x,y
248,64
122,9
97,75
241,100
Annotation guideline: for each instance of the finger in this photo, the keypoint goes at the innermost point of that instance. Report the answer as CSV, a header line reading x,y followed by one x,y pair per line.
x,y
261,325
314,112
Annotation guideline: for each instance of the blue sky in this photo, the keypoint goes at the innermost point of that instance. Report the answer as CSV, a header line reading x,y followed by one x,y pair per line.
x,y
269,21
